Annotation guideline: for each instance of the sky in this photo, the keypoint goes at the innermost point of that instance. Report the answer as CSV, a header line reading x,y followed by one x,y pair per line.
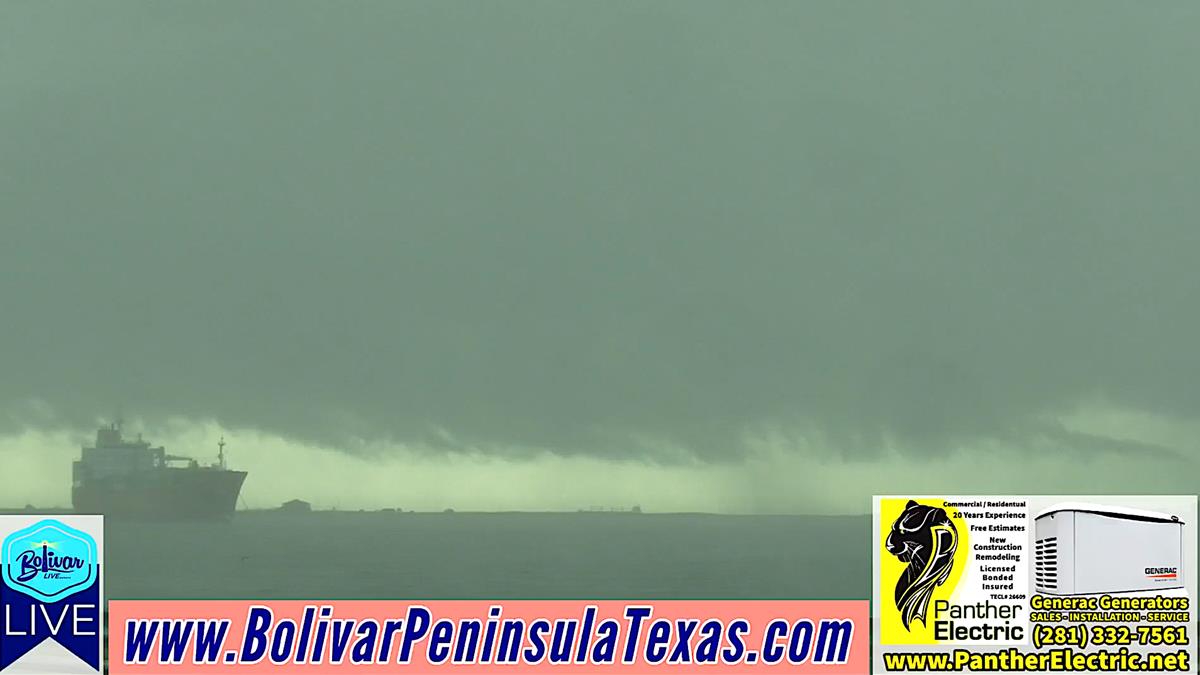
x,y
756,257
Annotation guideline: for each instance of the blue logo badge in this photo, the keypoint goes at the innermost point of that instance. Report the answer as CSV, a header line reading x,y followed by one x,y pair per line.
x,y
49,561
50,590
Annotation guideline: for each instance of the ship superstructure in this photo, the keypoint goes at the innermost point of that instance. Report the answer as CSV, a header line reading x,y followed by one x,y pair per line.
x,y
131,478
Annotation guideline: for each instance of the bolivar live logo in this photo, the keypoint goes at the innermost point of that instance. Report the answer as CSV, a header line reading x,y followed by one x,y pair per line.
x,y
50,592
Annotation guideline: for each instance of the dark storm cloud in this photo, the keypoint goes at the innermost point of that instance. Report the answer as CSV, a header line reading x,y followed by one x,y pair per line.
x,y
566,225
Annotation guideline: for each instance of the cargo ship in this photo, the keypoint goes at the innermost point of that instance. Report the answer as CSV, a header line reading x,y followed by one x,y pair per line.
x,y
127,478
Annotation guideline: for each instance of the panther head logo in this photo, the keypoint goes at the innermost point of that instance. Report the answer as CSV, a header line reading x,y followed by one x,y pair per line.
x,y
923,537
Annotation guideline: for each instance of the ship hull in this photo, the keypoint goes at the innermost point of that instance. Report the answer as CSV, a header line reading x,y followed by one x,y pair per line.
x,y
162,494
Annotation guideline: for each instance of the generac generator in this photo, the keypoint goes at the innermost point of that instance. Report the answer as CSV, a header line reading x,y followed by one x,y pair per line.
x,y
1083,549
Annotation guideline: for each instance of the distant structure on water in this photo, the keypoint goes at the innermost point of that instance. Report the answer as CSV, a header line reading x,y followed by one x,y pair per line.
x,y
611,509
126,478
296,506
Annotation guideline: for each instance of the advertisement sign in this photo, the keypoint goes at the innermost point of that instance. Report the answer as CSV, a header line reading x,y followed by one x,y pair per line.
x,y
1034,583
565,636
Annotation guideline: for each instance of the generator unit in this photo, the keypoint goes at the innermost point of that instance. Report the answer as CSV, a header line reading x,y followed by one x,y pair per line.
x,y
1084,549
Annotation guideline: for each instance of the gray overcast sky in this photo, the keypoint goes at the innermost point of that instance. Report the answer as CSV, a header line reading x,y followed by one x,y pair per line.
x,y
668,237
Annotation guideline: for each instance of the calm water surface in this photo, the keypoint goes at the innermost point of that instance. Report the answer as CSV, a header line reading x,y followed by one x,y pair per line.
x,y
505,555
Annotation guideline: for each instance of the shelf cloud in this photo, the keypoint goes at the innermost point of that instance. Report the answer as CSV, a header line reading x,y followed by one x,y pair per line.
x,y
673,237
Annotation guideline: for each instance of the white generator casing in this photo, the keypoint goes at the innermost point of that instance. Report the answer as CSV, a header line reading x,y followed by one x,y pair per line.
x,y
1084,549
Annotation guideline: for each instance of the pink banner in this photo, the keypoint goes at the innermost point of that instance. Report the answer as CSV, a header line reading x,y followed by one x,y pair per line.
x,y
575,636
